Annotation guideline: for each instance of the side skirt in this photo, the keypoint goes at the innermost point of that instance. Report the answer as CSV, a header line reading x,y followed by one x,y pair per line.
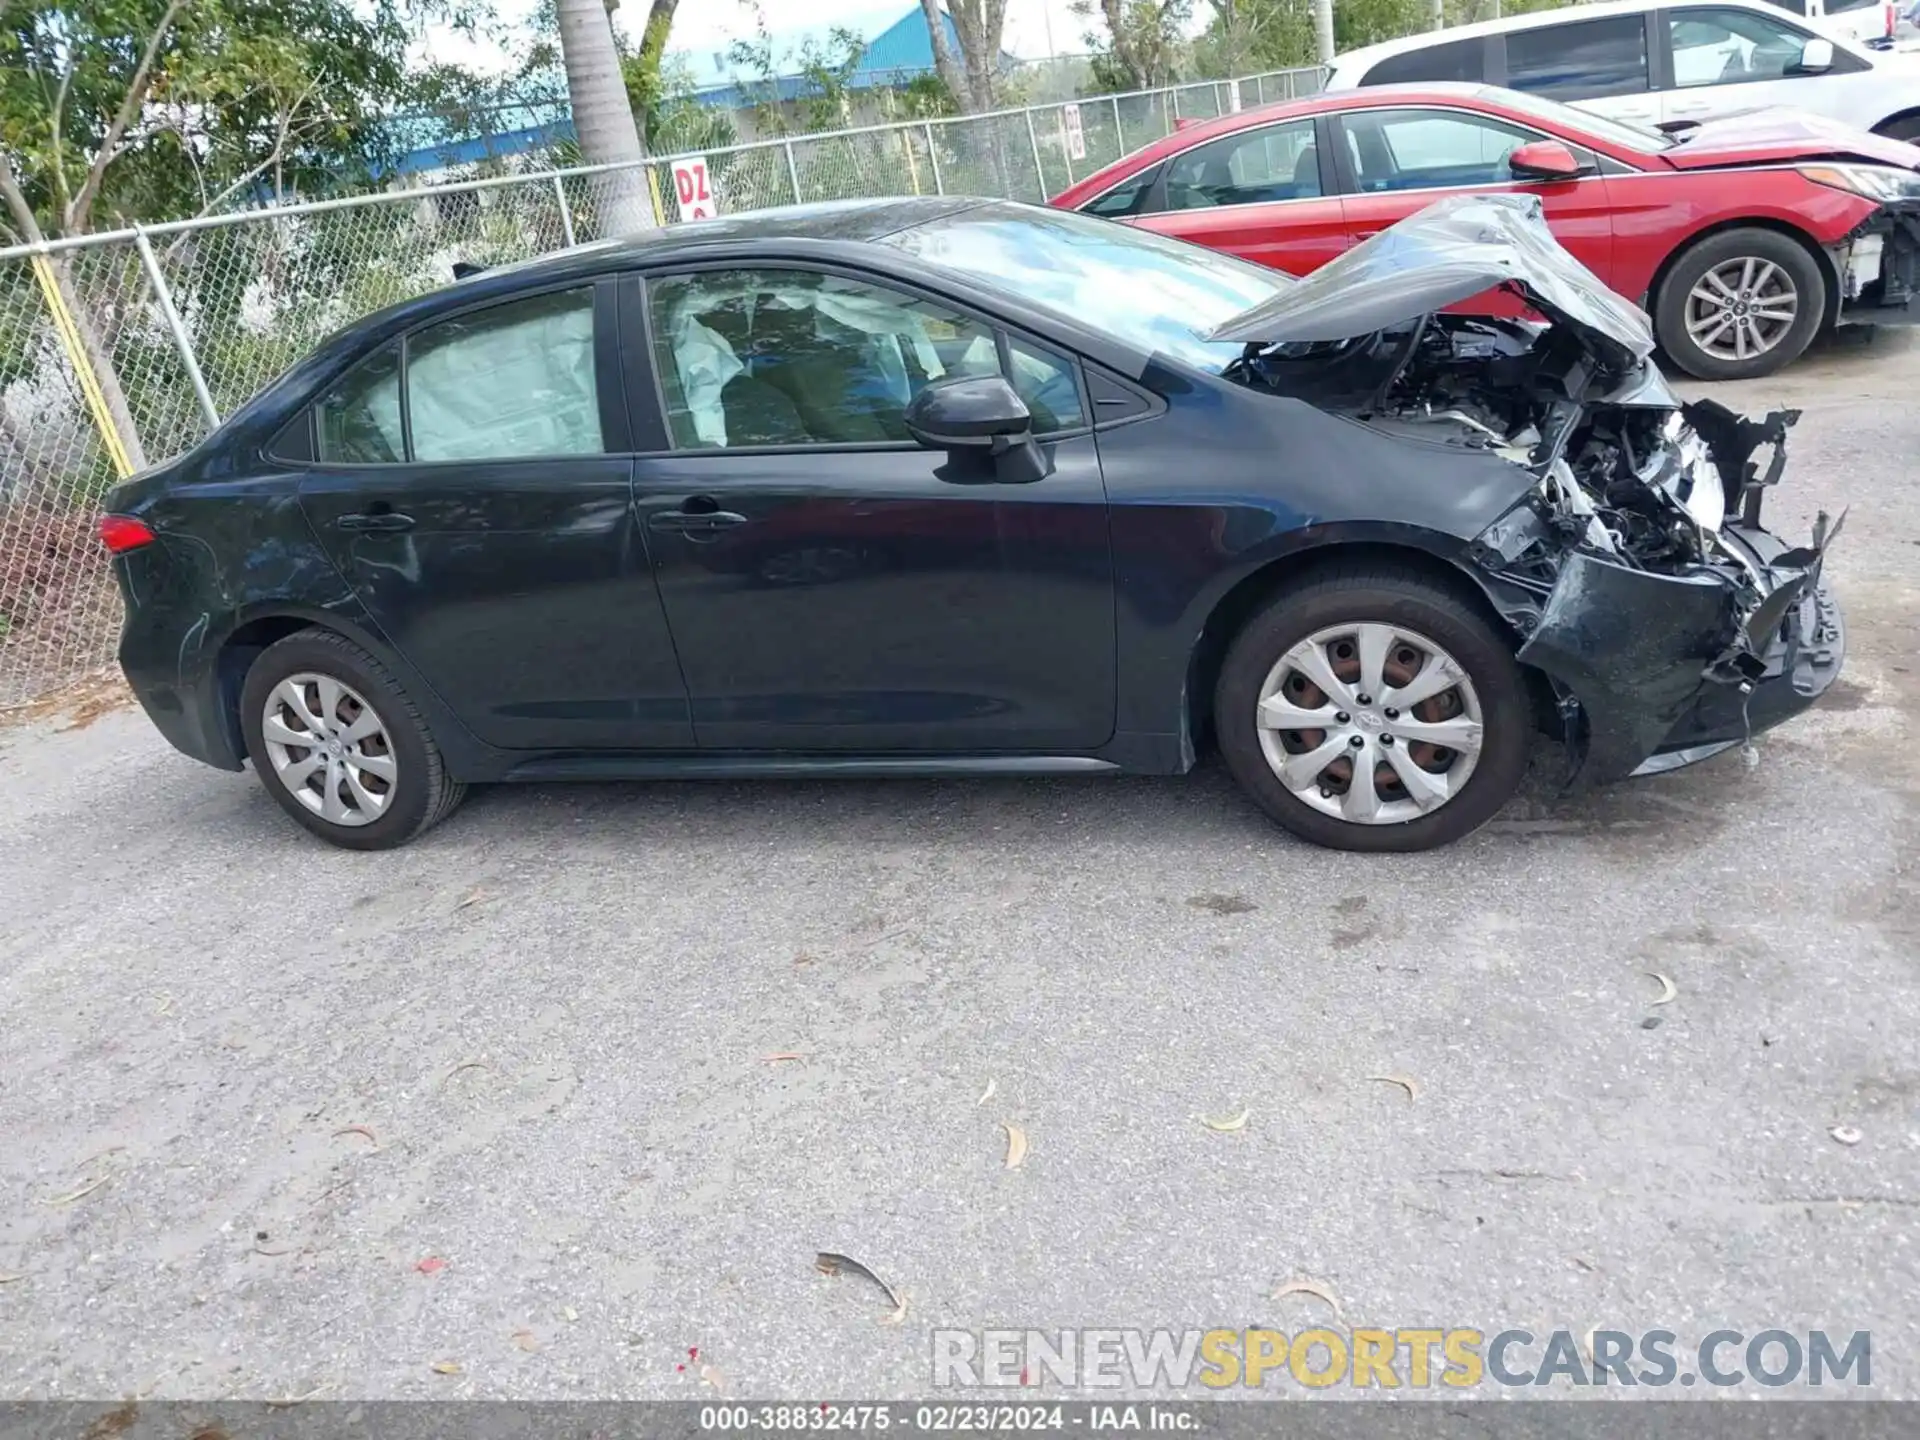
x,y
748,765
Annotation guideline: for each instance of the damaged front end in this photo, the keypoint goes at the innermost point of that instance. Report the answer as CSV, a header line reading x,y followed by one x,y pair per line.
x,y
1668,624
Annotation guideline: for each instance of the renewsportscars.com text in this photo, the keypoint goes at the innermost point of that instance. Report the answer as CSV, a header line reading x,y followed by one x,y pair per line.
x,y
1416,1358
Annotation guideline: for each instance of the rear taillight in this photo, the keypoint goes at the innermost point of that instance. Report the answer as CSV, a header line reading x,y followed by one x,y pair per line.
x,y
121,533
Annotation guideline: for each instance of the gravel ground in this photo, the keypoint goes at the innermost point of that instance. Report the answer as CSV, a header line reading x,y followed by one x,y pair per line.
x,y
534,1046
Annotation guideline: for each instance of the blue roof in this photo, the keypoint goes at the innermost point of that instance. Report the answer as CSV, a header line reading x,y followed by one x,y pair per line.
x,y
898,55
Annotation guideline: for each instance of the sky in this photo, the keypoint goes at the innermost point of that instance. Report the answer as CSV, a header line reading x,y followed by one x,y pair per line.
x,y
702,29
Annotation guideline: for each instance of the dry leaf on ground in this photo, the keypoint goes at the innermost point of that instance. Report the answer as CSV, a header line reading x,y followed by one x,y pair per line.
x,y
446,1367
1405,1082
829,1262
1668,990
1226,1124
1016,1145
987,1094
357,1130
777,1056
1310,1287
72,1195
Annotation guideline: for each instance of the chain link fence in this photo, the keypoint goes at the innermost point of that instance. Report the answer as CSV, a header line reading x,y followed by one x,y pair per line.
x,y
119,351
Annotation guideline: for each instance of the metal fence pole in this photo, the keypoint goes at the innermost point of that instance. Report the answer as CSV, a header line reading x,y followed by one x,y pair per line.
x,y
566,210
1039,175
182,341
933,159
793,171
1119,135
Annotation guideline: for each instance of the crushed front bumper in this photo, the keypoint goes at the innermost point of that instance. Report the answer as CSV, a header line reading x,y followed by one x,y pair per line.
x,y
1654,671
1878,267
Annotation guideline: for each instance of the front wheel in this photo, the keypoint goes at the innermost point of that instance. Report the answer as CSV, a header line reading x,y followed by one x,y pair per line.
x,y
1740,304
340,746
1372,710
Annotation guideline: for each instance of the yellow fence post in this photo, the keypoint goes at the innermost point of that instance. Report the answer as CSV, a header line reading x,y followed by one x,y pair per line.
x,y
69,332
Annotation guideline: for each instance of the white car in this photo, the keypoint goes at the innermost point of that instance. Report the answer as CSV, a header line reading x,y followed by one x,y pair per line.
x,y
1652,64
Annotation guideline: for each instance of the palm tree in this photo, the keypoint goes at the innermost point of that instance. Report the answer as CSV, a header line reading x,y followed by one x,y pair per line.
x,y
603,117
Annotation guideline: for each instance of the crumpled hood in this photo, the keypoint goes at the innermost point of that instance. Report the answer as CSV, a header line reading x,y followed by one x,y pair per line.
x,y
1452,250
1778,133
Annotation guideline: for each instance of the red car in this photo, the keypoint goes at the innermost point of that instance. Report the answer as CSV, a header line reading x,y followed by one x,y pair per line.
x,y
1741,236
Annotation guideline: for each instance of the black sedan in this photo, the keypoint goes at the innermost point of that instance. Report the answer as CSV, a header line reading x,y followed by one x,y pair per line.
x,y
956,487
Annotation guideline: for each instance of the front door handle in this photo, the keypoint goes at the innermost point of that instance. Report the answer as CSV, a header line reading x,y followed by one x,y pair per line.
x,y
375,520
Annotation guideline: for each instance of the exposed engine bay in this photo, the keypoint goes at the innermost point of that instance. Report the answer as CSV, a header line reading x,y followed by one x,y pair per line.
x,y
1639,547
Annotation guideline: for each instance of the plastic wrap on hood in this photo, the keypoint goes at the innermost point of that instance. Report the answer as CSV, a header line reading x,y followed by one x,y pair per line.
x,y
1452,250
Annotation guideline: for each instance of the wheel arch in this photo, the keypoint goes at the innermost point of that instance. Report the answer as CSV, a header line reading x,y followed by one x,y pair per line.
x,y
1830,307
1253,590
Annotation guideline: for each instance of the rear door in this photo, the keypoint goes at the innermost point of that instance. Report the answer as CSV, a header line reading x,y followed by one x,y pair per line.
x,y
832,585
1265,194
471,482
1398,159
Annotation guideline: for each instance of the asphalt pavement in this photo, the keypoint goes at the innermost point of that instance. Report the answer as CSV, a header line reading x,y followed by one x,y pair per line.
x,y
506,1113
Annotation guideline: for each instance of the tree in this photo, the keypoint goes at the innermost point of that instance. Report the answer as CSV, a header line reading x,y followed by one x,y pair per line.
x,y
117,111
1143,42
978,25
603,115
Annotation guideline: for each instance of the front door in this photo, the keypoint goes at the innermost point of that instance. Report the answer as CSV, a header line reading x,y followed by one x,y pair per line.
x,y
830,584
1263,194
488,529
1401,159
1723,59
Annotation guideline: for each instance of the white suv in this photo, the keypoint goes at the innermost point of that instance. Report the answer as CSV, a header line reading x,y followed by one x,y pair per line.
x,y
1652,63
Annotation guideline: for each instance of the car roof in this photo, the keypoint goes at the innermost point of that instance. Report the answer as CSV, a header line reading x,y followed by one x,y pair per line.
x,y
1367,97
1345,64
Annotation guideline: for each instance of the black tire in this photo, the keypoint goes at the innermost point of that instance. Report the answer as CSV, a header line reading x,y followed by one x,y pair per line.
x,y
1751,242
1402,597
422,794
1907,127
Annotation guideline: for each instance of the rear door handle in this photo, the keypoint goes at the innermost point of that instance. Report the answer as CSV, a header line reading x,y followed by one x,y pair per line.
x,y
695,522
375,520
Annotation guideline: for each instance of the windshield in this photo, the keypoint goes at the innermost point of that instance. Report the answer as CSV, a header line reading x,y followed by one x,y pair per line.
x,y
1160,295
1617,132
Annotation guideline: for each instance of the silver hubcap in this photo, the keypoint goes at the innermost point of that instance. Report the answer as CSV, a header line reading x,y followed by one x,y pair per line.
x,y
1742,308
1370,723
329,748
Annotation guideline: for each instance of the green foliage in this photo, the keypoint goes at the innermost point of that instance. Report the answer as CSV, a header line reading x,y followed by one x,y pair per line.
x,y
281,95
824,100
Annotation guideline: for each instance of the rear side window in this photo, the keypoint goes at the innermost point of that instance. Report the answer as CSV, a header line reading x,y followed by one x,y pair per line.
x,y
1129,197
1580,61
1462,60
1275,162
358,421
513,381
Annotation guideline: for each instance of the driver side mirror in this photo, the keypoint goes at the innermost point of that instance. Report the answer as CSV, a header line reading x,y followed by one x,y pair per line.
x,y
979,414
1816,57
1545,160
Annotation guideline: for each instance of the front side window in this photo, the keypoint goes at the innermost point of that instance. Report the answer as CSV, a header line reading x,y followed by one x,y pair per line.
x,y
1580,61
1429,149
1274,162
1731,47
357,422
1457,60
515,380
792,357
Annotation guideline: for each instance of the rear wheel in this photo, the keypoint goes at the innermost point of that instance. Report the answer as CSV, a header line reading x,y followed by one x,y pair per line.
x,y
1372,710
340,746
1740,304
